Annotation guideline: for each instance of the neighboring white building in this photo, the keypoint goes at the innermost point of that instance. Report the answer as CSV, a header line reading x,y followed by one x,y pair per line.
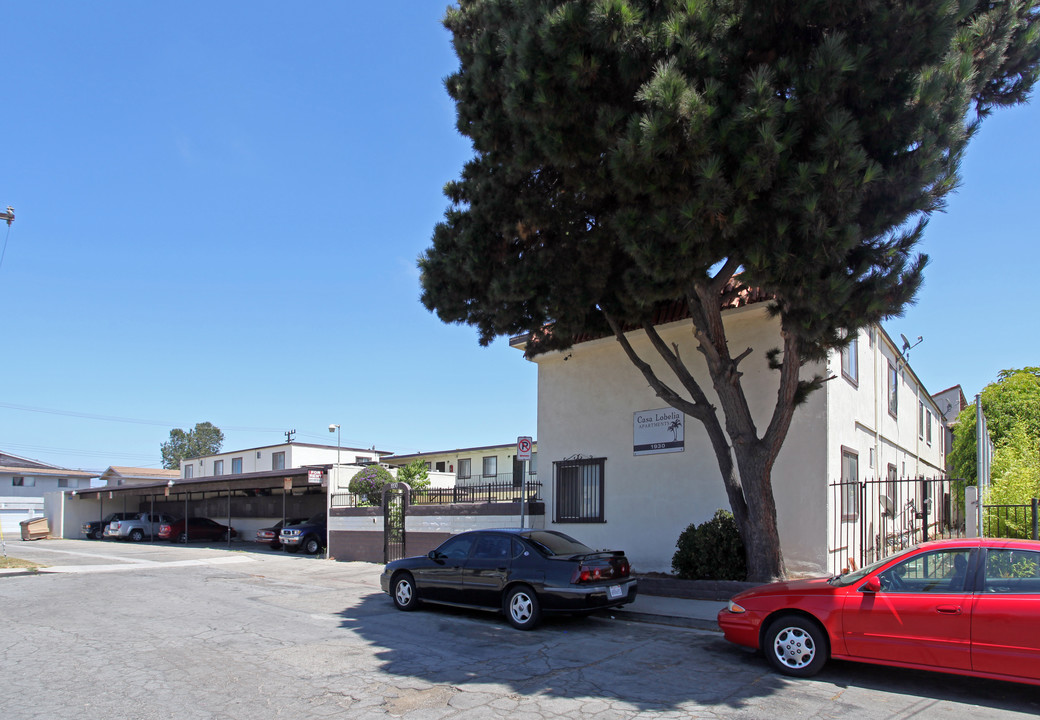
x,y
23,483
118,476
627,471
493,464
276,457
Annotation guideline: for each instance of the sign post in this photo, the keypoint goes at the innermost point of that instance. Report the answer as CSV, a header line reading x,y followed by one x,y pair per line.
x,y
524,445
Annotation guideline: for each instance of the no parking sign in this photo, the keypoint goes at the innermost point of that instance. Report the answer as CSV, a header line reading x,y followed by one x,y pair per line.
x,y
523,448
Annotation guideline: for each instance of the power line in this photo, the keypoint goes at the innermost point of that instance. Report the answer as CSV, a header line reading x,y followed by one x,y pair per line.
x,y
132,421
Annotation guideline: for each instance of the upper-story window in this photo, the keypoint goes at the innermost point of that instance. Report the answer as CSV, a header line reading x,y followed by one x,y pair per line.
x,y
928,427
218,467
23,482
850,361
68,483
189,471
278,460
893,390
465,468
363,460
490,467
236,466
920,420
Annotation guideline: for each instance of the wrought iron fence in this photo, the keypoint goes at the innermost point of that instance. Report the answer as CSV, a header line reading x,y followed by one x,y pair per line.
x,y
1011,521
486,493
875,518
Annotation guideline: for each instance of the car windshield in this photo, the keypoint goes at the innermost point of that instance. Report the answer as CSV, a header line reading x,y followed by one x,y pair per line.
x,y
551,543
316,519
848,578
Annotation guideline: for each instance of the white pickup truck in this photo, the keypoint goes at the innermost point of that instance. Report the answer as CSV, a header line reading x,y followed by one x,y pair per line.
x,y
136,529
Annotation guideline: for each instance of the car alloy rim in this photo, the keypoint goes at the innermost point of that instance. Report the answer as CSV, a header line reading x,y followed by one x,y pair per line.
x,y
794,647
520,607
404,592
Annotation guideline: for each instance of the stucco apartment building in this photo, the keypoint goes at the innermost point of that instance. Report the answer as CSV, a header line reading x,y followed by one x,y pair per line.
x,y
23,483
622,469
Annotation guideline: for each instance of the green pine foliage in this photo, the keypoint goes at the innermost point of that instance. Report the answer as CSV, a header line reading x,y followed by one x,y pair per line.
x,y
632,152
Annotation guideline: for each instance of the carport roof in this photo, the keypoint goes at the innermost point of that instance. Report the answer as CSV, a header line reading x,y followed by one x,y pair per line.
x,y
214,483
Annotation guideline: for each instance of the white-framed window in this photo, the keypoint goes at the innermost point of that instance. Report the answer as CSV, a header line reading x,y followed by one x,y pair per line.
x,y
893,390
218,467
850,361
490,467
849,484
23,482
928,427
68,483
363,460
189,470
920,420
236,466
278,460
465,468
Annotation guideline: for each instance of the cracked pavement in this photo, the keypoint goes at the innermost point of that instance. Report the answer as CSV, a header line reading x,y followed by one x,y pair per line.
x,y
167,632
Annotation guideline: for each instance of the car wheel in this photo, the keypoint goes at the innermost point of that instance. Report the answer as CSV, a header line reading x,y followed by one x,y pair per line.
x,y
99,535
291,548
136,535
522,608
311,546
403,592
796,646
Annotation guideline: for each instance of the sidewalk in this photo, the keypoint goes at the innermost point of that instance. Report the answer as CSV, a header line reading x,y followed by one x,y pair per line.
x,y
681,612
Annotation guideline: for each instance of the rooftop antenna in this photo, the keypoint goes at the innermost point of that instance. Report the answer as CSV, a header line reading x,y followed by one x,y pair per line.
x,y
8,216
289,435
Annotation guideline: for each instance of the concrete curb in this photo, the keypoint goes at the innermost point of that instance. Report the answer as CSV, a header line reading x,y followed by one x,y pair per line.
x,y
670,620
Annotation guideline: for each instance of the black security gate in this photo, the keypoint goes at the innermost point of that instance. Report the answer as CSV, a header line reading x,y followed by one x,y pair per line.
x,y
395,504
877,517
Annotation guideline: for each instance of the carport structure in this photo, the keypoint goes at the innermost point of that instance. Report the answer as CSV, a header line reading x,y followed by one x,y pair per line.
x,y
245,501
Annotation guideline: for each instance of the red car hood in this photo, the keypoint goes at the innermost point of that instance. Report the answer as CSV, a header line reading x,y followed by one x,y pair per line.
x,y
811,586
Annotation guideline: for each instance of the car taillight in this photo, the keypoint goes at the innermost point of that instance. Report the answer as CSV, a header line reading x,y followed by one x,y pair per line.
x,y
115,525
596,571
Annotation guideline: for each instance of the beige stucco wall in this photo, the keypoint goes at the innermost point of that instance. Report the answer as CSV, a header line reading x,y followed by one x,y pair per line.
x,y
586,400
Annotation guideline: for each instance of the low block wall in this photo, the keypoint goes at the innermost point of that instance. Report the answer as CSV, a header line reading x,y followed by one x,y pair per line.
x,y
356,534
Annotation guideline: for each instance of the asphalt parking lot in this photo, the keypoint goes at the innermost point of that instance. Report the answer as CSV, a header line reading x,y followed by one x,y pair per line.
x,y
117,631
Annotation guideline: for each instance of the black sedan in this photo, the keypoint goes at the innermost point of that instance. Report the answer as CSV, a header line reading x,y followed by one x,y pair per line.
x,y
521,573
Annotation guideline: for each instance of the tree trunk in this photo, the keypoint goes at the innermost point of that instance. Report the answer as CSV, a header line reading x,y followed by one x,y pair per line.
x,y
765,561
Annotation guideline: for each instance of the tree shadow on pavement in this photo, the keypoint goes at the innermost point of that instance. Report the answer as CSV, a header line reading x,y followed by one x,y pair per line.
x,y
648,667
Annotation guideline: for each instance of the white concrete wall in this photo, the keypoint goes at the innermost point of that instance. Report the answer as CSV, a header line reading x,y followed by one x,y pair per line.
x,y
260,459
585,406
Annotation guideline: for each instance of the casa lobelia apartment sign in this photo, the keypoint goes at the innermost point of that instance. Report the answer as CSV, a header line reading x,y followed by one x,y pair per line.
x,y
658,431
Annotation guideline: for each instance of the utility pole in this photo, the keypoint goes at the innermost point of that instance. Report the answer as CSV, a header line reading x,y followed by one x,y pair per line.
x,y
8,216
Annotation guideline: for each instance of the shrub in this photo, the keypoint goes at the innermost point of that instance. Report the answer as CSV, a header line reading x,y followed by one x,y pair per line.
x,y
369,483
712,550
415,475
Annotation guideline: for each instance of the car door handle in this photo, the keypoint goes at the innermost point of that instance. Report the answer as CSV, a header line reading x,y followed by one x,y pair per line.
x,y
949,609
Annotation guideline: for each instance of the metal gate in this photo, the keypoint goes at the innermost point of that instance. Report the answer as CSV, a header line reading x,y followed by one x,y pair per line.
x,y
875,518
395,505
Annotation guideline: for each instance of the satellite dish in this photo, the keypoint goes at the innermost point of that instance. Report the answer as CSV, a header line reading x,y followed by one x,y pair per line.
x,y
906,343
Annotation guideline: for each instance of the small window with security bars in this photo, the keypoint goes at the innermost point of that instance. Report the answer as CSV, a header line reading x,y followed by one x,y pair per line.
x,y
578,491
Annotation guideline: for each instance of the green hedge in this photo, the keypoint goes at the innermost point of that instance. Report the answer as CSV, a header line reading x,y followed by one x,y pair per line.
x,y
712,550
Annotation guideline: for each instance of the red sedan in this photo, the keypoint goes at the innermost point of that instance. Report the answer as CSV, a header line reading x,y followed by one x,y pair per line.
x,y
967,606
198,529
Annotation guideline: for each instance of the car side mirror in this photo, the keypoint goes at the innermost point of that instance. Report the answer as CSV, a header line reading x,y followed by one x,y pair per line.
x,y
433,555
872,585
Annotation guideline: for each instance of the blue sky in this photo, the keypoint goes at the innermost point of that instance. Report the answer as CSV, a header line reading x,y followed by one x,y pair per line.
x,y
219,209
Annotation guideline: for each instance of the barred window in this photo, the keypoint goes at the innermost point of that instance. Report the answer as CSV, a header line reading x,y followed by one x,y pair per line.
x,y
578,490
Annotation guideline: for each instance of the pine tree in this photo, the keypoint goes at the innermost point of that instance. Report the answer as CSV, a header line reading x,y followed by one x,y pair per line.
x,y
630,152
